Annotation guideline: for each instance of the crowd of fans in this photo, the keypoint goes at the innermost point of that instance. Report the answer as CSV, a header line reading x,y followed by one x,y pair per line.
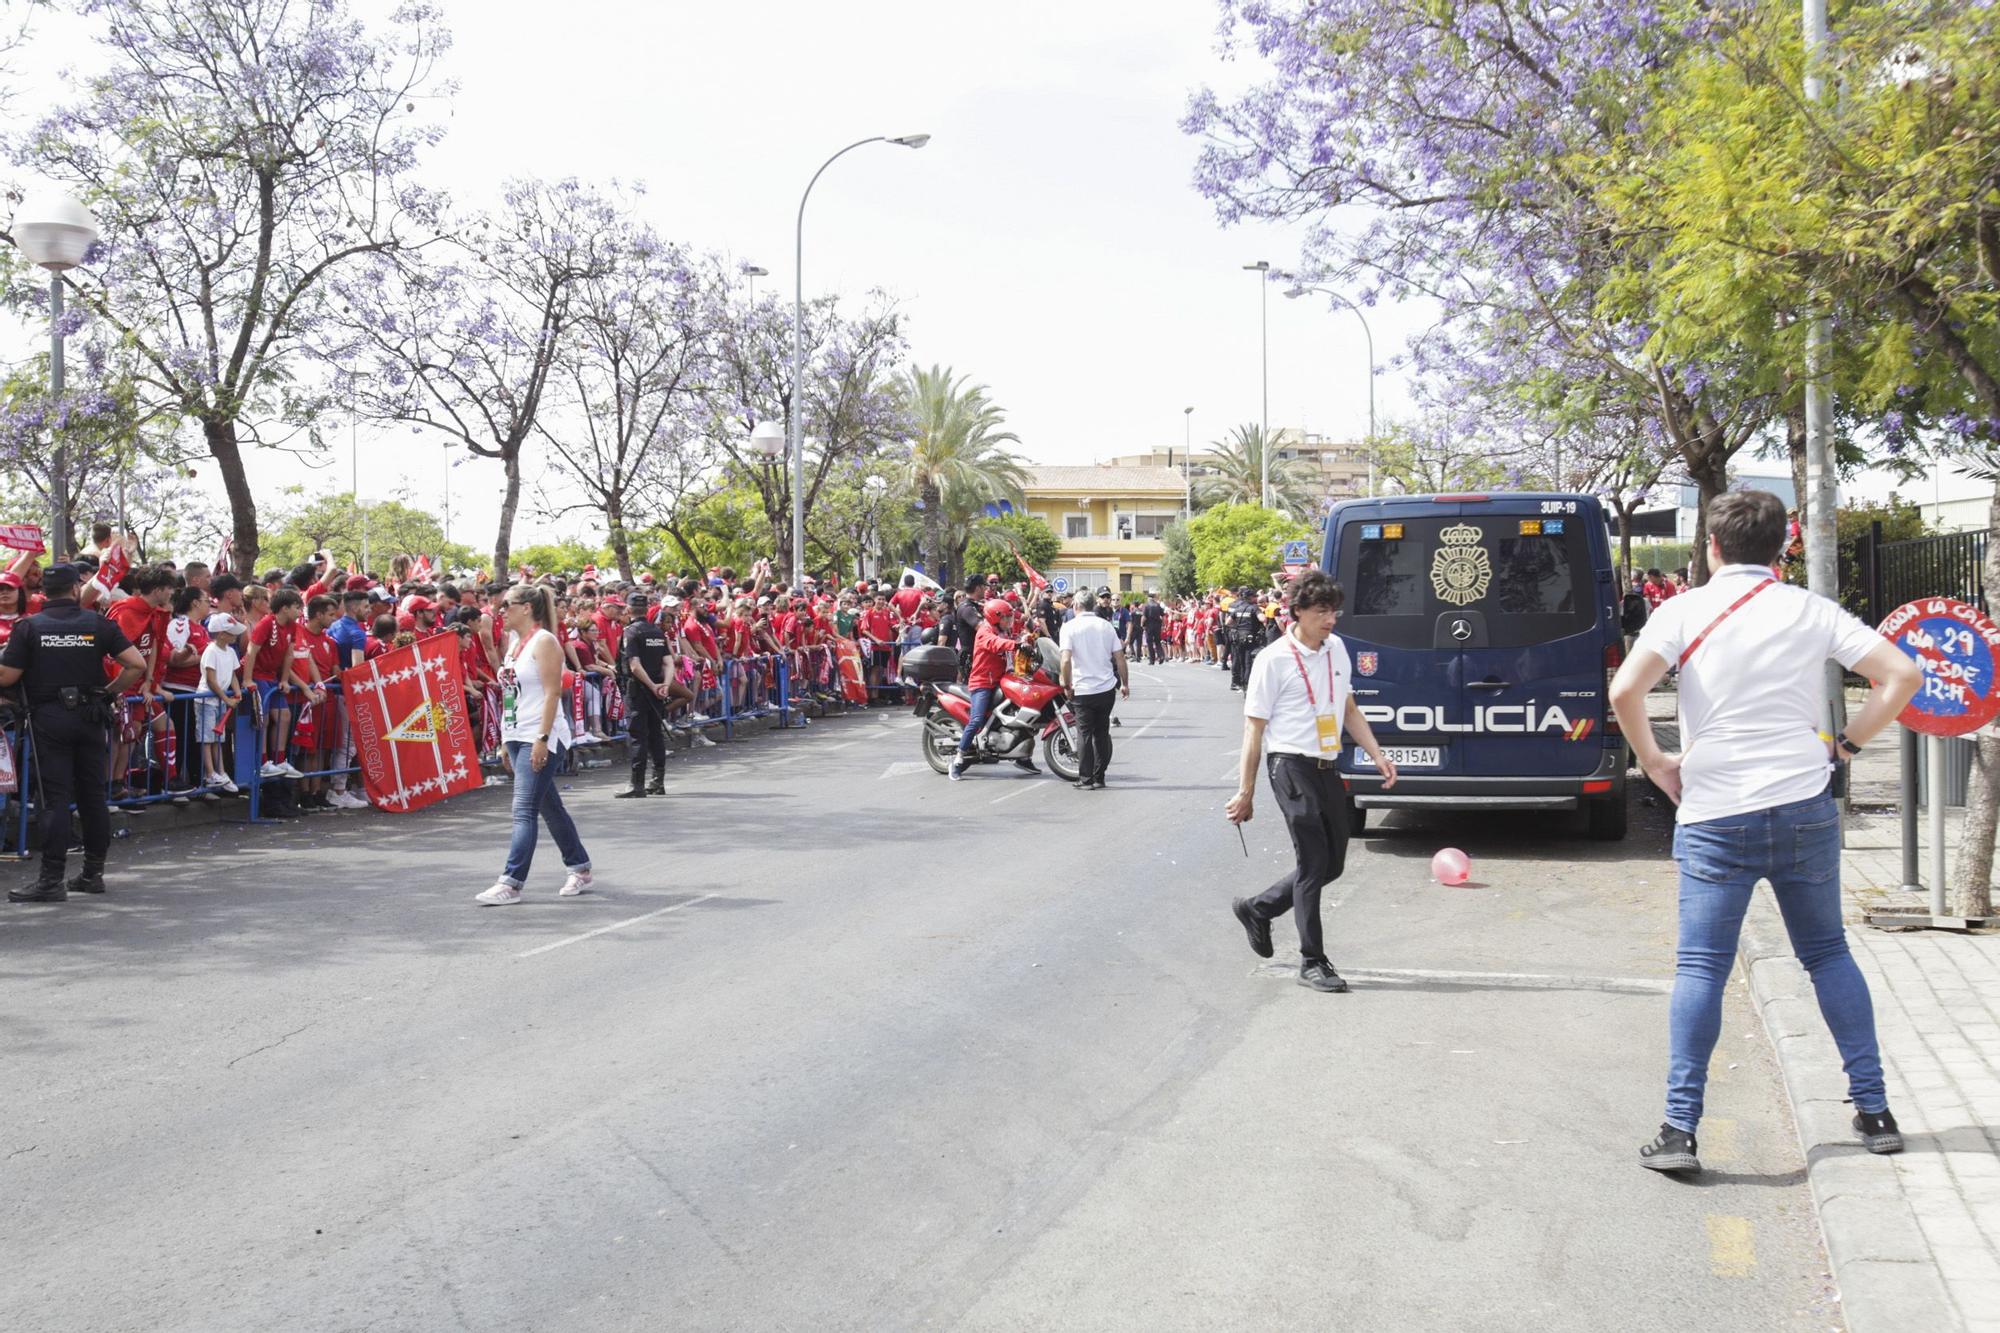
x,y
218,647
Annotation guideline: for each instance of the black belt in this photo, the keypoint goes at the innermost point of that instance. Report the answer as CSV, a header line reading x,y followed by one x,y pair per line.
x,y
1313,761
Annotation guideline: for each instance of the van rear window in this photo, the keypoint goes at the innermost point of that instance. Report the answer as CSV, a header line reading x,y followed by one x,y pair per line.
x,y
1400,577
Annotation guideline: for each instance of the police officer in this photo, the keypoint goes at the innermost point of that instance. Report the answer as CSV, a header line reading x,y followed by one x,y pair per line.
x,y
59,655
1246,636
643,655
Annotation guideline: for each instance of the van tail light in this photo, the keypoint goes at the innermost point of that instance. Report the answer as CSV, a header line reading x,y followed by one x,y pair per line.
x,y
1597,786
1614,657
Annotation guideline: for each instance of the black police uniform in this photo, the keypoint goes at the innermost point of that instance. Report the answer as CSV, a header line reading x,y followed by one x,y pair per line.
x,y
645,712
60,652
1246,636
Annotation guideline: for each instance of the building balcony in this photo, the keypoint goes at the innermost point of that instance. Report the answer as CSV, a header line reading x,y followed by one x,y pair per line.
x,y
1112,548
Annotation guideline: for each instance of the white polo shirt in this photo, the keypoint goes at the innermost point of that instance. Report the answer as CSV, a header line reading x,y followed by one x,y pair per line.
x,y
1286,690
1091,641
1752,696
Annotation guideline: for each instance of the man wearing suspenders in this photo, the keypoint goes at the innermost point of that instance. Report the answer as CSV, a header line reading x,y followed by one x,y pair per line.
x,y
1752,786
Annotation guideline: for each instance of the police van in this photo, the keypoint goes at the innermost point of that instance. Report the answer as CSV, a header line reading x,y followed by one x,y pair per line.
x,y
1484,634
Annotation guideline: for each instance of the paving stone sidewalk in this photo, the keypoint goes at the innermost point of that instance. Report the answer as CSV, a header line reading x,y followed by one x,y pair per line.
x,y
1914,1239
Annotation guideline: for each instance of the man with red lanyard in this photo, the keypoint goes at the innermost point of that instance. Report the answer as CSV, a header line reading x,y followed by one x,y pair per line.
x,y
1299,699
1752,786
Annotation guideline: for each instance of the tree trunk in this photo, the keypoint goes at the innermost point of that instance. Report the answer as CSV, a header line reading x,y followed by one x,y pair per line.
x,y
245,547
1795,449
1974,872
510,502
621,543
933,502
1709,471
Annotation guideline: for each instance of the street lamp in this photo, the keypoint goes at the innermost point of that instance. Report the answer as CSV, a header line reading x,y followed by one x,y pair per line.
x,y
54,229
767,441
1260,268
1299,289
753,272
799,348
1187,463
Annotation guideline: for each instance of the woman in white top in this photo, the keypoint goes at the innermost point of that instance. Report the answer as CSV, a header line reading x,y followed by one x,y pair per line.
x,y
534,729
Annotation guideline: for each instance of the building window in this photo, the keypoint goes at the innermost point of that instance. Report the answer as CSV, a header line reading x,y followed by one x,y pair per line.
x,y
1151,525
1076,525
1124,583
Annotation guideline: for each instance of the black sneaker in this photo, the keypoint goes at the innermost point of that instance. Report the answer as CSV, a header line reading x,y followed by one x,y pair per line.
x,y
658,787
86,882
1878,1131
957,770
629,794
1258,929
1673,1150
1026,765
1318,974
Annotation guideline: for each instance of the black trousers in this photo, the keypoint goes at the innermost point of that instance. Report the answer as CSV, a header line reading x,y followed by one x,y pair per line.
x,y
645,734
1315,803
69,767
1093,744
1241,655
1153,647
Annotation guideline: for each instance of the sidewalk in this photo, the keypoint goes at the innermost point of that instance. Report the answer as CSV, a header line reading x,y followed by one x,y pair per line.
x,y
1914,1239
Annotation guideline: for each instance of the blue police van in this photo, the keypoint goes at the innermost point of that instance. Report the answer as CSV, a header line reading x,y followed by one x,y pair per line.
x,y
1484,635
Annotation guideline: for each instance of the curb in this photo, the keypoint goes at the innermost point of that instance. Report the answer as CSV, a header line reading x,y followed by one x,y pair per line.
x,y
1887,1276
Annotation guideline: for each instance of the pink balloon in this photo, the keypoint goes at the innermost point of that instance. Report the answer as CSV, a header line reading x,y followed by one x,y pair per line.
x,y
1451,866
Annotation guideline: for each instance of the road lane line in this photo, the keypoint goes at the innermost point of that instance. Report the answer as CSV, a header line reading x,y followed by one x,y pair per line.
x,y
1518,980
617,925
1023,790
1732,1247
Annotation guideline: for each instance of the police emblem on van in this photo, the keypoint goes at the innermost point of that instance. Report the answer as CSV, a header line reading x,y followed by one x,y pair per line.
x,y
1460,570
1367,663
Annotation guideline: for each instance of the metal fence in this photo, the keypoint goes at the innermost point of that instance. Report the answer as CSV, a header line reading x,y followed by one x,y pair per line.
x,y
1953,565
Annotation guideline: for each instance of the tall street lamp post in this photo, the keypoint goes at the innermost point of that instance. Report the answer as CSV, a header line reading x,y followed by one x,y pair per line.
x,y
1299,289
752,272
1260,268
799,349
53,229
1187,463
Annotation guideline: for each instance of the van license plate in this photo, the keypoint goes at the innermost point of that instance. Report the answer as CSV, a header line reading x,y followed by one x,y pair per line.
x,y
1403,756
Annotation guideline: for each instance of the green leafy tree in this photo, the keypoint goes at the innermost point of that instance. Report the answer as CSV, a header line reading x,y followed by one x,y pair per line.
x,y
333,523
989,552
1179,572
728,528
1236,474
1239,544
958,460
558,558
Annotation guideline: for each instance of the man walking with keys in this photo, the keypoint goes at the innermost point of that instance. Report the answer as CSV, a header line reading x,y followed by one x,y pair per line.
x,y
1299,698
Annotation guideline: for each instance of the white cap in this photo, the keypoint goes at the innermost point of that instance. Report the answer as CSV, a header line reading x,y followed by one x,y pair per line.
x,y
221,622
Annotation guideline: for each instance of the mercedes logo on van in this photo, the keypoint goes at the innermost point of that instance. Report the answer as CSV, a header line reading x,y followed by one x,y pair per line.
x,y
1461,630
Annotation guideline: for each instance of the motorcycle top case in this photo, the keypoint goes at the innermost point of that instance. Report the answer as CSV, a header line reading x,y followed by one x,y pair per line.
x,y
930,663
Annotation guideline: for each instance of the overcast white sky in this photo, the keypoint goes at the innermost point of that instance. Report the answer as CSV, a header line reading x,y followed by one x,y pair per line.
x,y
1047,241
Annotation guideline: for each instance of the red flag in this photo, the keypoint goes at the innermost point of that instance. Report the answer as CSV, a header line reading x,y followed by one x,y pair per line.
x,y
1028,569
222,564
421,571
412,738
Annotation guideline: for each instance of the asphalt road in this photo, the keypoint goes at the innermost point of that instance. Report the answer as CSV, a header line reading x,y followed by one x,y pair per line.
x,y
836,1044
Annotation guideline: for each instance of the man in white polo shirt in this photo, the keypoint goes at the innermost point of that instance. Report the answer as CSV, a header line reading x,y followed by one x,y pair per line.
x,y
1299,698
1752,786
1093,671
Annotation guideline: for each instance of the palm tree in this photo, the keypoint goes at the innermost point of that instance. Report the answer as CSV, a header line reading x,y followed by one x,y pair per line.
x,y
958,462
1235,476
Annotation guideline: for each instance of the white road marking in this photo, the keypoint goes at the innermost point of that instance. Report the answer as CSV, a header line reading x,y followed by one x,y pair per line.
x,y
902,768
617,925
841,746
1022,790
1522,980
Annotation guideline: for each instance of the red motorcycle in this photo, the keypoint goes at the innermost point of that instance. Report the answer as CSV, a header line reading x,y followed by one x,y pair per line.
x,y
1031,705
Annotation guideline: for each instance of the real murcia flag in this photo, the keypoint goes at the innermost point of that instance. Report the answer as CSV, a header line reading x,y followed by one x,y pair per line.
x,y
412,736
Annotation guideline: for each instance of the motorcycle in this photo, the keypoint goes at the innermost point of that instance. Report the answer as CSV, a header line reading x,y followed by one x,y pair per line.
x,y
1032,705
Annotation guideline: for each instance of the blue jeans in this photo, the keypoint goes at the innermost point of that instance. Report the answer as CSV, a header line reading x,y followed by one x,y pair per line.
x,y
982,704
1797,848
535,795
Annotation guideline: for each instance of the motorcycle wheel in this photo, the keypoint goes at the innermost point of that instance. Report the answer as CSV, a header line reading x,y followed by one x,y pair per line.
x,y
1062,760
940,740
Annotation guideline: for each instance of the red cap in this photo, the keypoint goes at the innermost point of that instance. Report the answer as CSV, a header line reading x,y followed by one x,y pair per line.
x,y
1014,597
10,579
417,604
406,621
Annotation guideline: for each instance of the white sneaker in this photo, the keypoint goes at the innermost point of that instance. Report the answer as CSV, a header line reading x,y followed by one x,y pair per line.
x,y
287,770
271,769
578,881
700,719
499,895
347,801
225,785
701,738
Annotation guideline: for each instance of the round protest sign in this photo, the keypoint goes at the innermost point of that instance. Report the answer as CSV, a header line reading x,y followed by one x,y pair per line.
x,y
1959,651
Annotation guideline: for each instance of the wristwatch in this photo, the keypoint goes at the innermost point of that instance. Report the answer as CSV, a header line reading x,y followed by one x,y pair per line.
x,y
544,737
1841,740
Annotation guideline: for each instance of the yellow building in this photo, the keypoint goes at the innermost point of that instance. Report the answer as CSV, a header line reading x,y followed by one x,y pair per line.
x,y
1109,520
